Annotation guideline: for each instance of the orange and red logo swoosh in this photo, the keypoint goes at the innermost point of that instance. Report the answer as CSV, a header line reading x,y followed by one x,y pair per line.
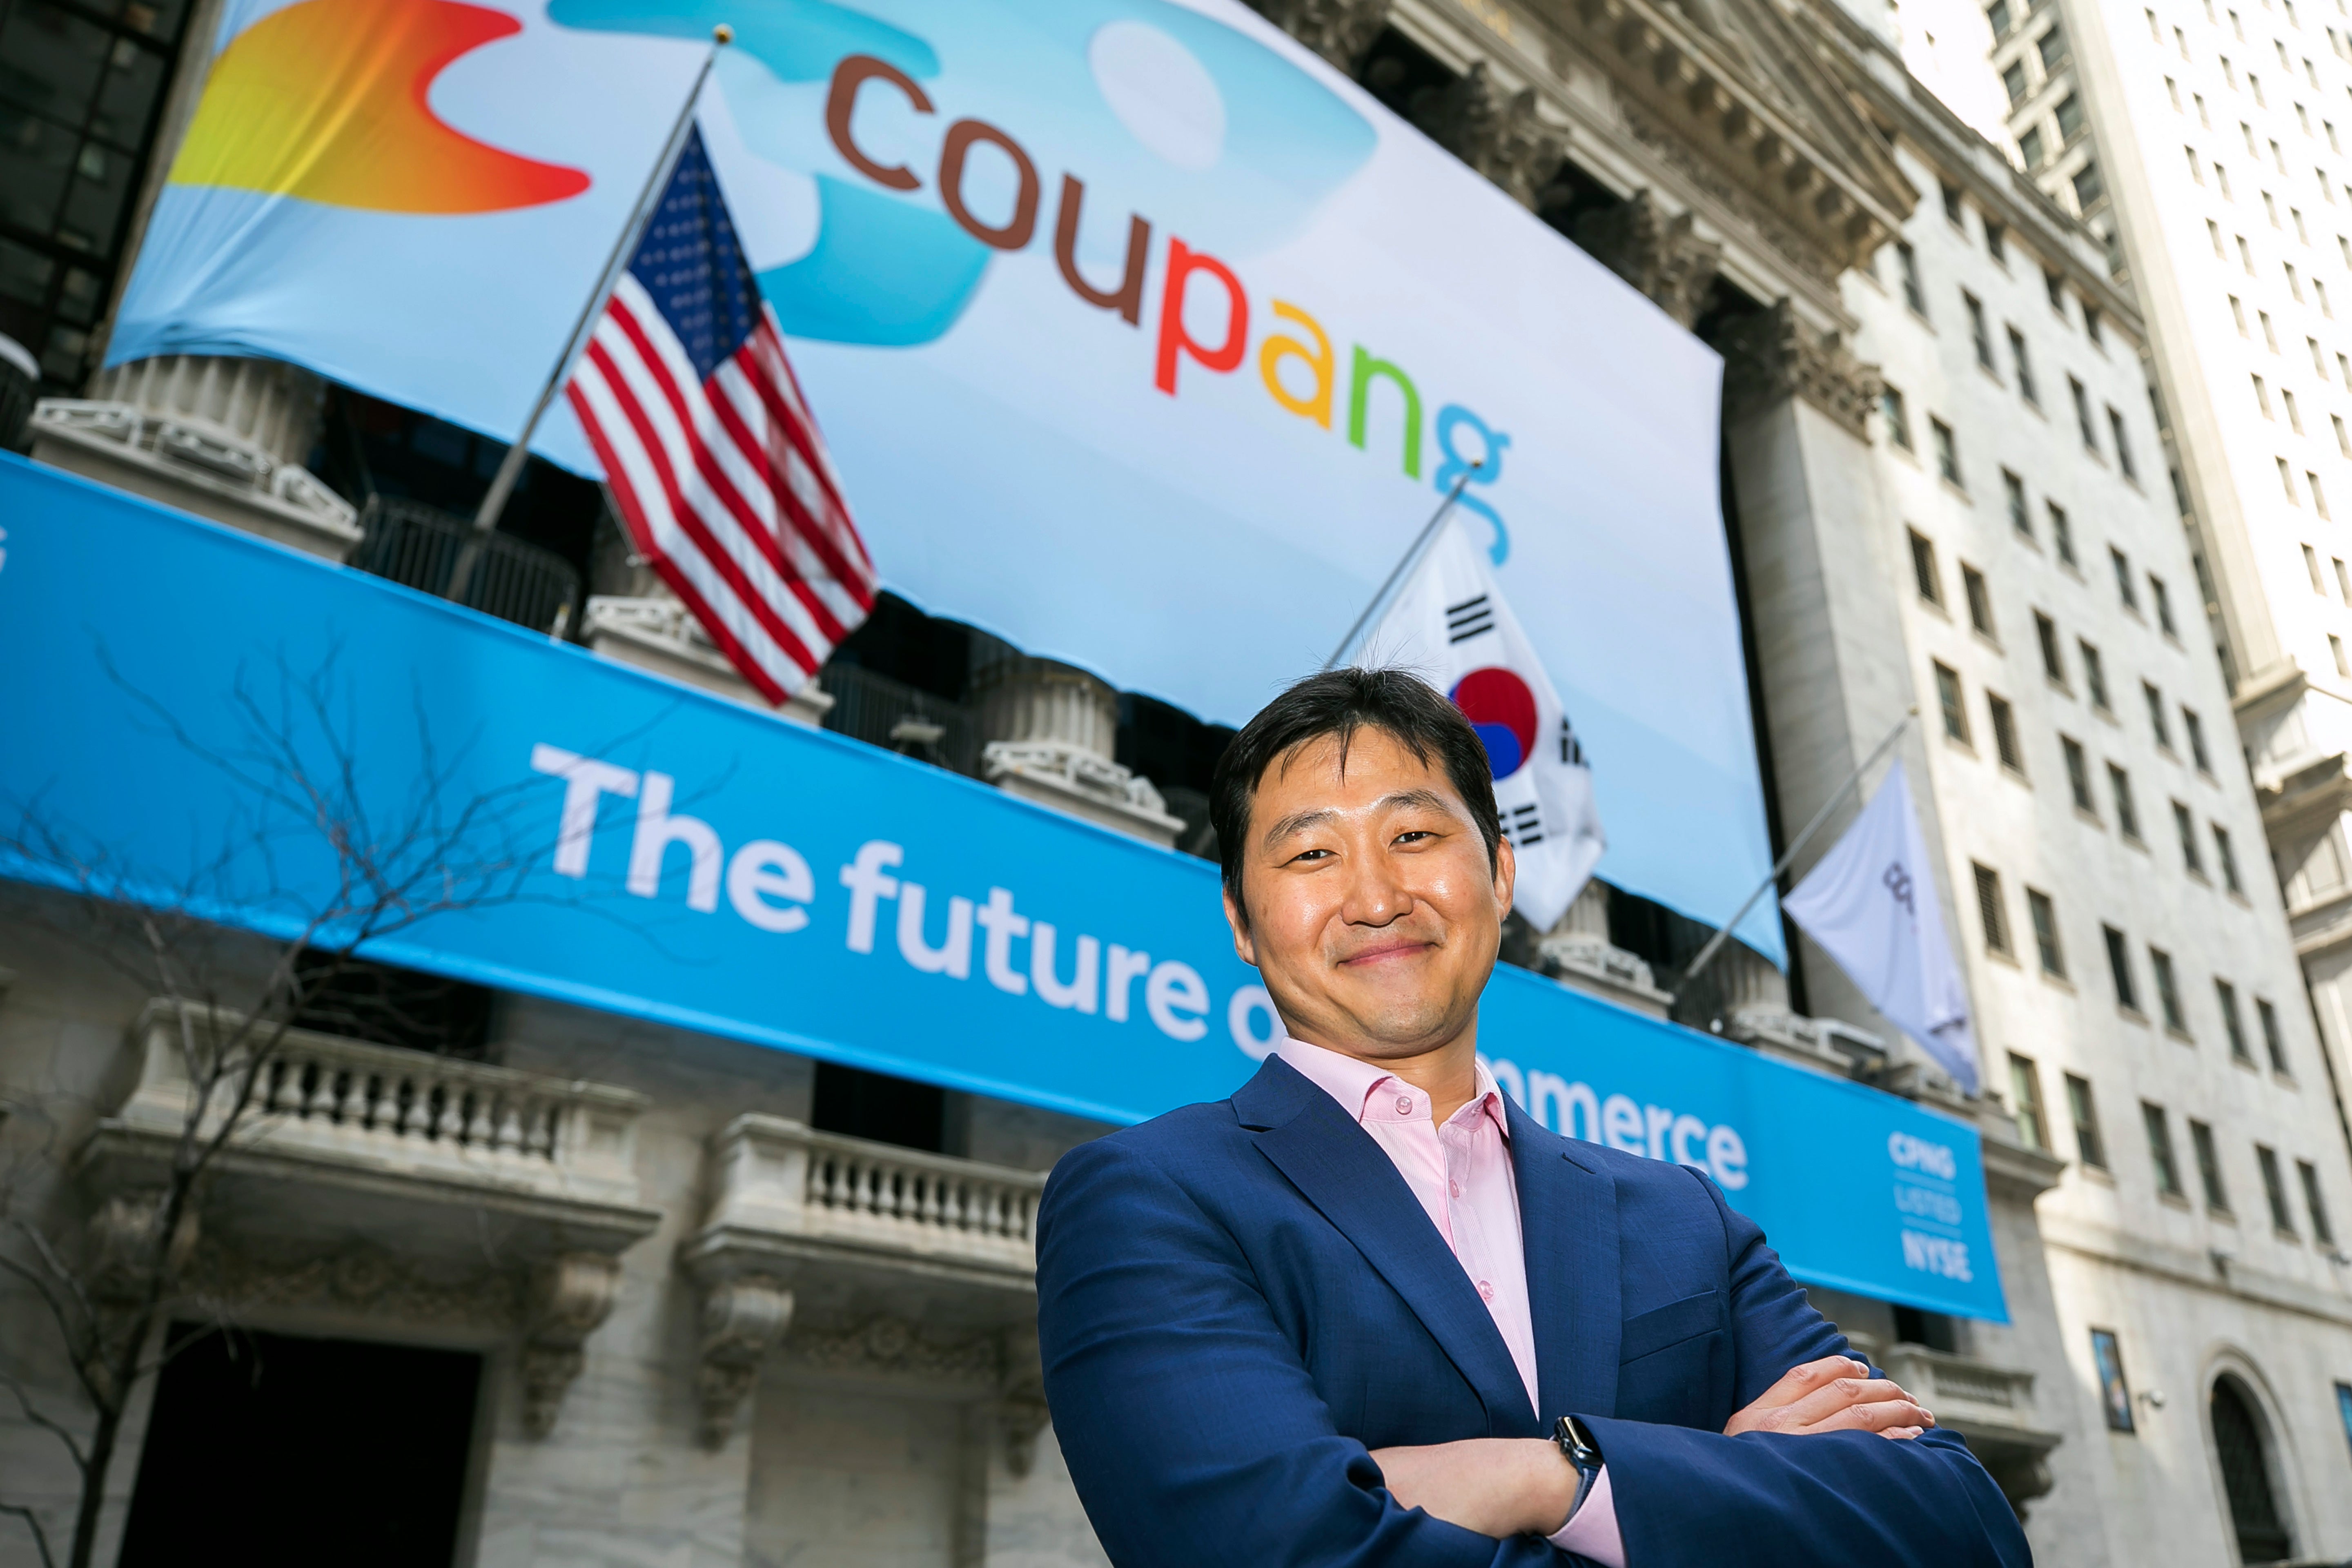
x,y
326,100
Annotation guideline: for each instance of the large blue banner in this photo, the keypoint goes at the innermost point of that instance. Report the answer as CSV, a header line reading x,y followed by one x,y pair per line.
x,y
1140,335
194,713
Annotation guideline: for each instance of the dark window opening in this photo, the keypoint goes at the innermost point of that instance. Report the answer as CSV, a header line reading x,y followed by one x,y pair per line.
x,y
1933,1330
338,1428
389,1006
1399,72
878,1108
2246,1476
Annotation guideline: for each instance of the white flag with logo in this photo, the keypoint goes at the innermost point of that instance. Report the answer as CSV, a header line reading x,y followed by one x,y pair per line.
x,y
1449,624
1871,904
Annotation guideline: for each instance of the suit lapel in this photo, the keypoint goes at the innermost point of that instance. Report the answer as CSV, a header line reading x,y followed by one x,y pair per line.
x,y
1350,1180
1568,1223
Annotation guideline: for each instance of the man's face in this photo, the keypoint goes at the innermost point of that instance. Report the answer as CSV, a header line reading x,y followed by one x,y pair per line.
x,y
1374,917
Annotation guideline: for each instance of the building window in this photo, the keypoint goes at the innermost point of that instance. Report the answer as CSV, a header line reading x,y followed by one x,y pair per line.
x,y
1954,214
1998,15
2208,1166
2274,1189
1914,295
1990,909
2045,933
1996,241
2318,495
2089,187
1948,692
2167,990
1979,597
2239,1444
2054,661
2029,146
2123,443
2024,364
2343,578
1924,571
2335,647
1947,452
2322,1233
2163,599
2114,1395
2156,721
2055,285
2091,319
1898,420
2078,775
2004,735
2025,1093
2267,1017
2083,415
2069,114
2127,814
2225,858
2119,967
2013,489
2311,567
2015,82
2122,565
2287,481
2095,675
2225,997
2186,824
1979,331
2061,533
2262,396
2089,1147
78,101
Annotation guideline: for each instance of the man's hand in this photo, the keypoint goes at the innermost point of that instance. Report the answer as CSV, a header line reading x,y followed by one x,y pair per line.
x,y
1835,1394
1496,1486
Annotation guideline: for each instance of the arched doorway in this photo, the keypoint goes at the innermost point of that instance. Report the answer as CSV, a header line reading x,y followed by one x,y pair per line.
x,y
2244,1450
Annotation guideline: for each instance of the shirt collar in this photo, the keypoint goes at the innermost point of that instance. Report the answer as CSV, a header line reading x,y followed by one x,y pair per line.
x,y
1353,1082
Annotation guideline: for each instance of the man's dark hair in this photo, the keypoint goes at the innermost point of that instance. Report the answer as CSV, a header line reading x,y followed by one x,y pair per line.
x,y
1338,703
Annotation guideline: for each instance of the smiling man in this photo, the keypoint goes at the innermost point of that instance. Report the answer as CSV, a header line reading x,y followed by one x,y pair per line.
x,y
1367,1311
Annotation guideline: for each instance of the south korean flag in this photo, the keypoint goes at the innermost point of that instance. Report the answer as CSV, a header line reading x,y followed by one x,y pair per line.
x,y
1448,624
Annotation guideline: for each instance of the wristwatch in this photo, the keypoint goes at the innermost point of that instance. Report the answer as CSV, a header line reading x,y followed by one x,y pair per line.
x,y
1576,1444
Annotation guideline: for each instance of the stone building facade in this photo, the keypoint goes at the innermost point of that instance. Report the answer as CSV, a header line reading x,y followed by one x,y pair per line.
x,y
705,1321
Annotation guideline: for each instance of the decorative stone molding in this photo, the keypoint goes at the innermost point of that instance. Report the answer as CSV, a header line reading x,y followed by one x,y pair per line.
x,y
742,1318
1504,139
1661,256
1772,355
121,1237
1339,30
221,437
1021,1408
891,1345
572,1295
366,1279
656,632
1052,731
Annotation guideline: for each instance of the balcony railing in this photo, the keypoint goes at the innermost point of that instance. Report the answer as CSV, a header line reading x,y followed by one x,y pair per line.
x,y
342,1109
420,546
898,718
786,1187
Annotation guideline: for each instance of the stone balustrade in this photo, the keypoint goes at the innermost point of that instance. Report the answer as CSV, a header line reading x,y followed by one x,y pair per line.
x,y
1992,1407
850,1232
323,1100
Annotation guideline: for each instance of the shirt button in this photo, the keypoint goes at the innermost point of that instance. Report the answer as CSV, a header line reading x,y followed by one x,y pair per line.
x,y
1404,1105
1485,1292
1457,1189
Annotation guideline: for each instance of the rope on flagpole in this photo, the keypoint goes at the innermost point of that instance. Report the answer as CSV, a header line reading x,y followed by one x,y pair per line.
x,y
1714,943
511,469
1420,543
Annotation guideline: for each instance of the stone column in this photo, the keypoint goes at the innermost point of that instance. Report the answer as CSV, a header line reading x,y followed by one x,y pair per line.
x,y
1052,734
1504,137
225,438
1579,954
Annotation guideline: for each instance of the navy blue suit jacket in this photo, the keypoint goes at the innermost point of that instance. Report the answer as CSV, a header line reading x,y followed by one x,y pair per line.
x,y
1237,1300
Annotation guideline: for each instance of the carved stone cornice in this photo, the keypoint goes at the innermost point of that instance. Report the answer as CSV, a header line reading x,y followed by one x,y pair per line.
x,y
1660,256
1504,139
1737,98
1771,355
894,1346
1339,30
1804,253
367,1281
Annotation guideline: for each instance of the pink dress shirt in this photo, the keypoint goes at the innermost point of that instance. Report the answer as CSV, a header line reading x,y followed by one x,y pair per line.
x,y
1462,1174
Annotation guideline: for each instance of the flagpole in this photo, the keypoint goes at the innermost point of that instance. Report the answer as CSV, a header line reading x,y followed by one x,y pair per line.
x,y
510,469
1420,543
1724,935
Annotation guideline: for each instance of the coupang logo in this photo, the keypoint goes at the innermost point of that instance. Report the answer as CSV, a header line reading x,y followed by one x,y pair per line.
x,y
1189,129
326,100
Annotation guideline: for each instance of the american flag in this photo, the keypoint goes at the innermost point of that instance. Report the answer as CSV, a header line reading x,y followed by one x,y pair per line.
x,y
714,460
